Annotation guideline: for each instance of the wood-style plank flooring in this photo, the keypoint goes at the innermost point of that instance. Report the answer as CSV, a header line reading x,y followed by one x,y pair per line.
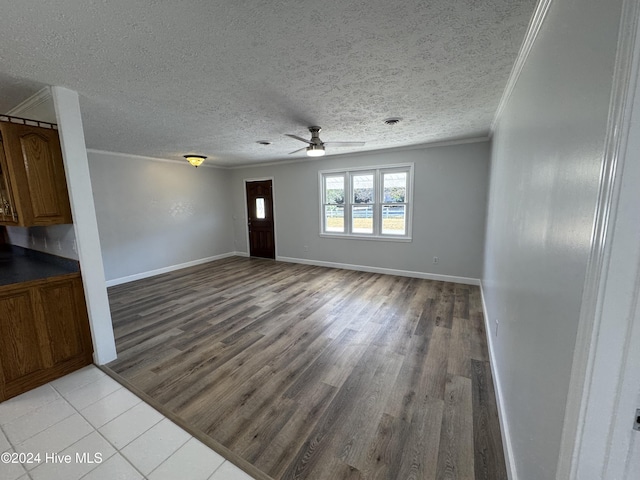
x,y
315,373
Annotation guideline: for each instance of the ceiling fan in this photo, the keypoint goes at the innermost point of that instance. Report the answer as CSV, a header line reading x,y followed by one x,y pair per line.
x,y
316,146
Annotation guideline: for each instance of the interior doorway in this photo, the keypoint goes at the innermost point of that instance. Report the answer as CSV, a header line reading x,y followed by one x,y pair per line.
x,y
260,222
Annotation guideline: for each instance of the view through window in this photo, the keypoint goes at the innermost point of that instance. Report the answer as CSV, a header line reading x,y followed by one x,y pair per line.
x,y
368,202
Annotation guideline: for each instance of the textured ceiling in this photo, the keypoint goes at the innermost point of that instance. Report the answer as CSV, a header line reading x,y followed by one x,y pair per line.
x,y
165,78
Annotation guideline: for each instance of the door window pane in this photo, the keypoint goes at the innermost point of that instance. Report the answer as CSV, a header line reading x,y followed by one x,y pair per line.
x,y
363,188
334,218
395,187
394,219
334,190
260,208
362,219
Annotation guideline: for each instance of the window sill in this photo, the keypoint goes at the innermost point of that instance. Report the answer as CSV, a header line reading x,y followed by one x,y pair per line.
x,y
380,238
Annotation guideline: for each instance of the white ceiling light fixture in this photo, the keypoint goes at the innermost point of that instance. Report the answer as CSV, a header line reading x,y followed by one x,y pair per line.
x,y
315,150
195,160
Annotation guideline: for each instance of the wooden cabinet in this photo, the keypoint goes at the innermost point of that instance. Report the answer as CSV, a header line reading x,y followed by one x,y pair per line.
x,y
8,212
44,332
33,187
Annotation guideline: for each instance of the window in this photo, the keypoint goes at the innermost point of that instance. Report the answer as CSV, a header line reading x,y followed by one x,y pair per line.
x,y
373,203
362,203
260,213
334,203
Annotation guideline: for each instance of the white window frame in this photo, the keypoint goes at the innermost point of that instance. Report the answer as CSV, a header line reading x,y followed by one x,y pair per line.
x,y
377,171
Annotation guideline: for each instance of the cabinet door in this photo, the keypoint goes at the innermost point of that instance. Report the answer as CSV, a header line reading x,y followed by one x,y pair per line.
x,y
37,172
44,333
23,349
8,212
65,319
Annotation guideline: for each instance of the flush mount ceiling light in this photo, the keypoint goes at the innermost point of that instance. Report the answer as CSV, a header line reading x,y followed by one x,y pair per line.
x,y
195,160
315,150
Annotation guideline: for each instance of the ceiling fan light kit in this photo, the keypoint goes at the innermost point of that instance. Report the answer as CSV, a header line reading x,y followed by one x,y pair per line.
x,y
315,151
316,146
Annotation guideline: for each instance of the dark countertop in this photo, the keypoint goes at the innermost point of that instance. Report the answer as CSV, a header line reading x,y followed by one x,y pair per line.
x,y
18,265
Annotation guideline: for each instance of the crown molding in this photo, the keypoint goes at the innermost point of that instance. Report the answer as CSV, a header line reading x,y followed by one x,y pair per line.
x,y
539,15
153,159
44,95
420,146
35,100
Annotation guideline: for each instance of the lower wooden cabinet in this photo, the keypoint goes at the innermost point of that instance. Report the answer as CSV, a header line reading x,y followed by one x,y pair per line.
x,y
44,332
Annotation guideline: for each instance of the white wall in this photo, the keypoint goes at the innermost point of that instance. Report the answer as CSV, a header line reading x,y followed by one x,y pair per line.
x,y
449,211
57,240
156,214
548,151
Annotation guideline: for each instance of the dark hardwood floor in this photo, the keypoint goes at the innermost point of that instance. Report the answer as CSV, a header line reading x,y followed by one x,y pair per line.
x,y
316,373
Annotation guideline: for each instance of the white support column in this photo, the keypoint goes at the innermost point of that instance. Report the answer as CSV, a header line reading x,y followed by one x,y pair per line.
x,y
76,165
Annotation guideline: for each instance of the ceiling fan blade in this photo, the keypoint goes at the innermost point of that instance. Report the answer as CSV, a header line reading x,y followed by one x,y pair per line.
x,y
344,144
298,138
296,151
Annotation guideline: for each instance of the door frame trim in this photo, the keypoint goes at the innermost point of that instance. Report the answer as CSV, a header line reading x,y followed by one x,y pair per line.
x,y
603,392
246,210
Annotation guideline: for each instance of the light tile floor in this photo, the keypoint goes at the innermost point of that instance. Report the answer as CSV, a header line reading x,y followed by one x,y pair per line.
x,y
87,426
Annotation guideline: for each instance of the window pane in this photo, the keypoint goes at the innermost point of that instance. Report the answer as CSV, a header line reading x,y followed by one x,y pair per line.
x,y
362,219
334,218
394,219
260,208
334,190
363,188
395,187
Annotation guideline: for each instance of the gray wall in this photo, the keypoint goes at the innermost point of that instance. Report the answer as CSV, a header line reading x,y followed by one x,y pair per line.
x,y
153,214
449,211
546,160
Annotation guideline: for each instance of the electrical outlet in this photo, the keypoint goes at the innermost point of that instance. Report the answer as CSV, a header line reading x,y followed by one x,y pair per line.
x,y
497,325
435,260
306,248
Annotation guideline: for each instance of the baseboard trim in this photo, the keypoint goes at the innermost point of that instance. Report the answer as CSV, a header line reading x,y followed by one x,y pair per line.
x,y
504,424
318,263
171,268
386,271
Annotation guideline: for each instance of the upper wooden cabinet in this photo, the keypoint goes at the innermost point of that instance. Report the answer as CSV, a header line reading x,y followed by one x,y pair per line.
x,y
33,187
